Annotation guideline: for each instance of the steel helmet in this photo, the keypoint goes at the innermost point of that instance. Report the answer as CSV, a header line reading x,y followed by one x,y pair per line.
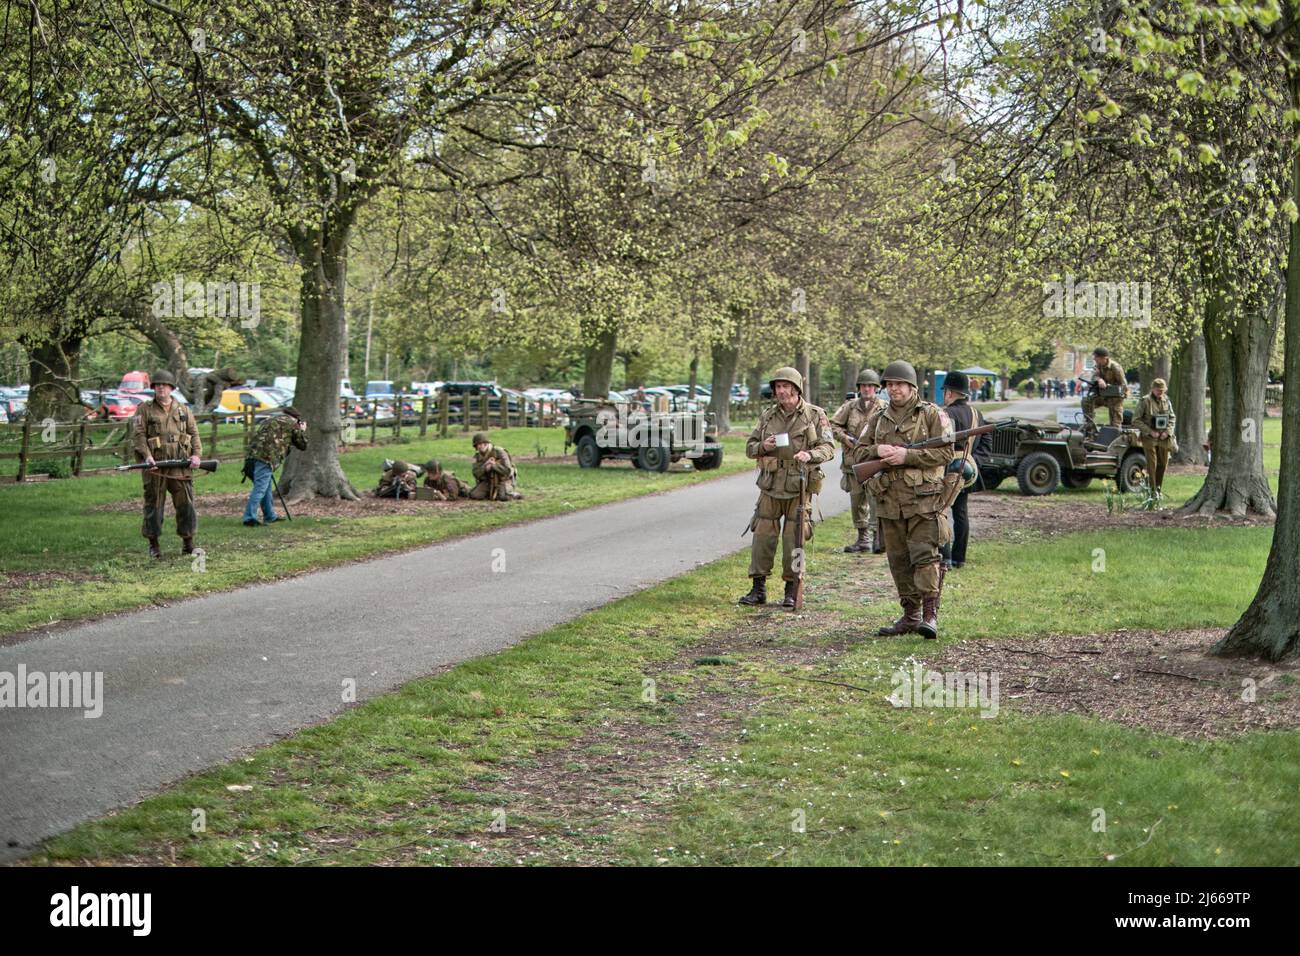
x,y
899,372
787,374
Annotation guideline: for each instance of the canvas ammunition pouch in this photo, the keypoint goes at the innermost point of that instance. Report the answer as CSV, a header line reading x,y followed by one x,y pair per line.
x,y
780,477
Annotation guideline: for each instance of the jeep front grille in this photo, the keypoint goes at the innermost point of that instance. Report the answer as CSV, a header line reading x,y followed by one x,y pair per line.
x,y
1005,441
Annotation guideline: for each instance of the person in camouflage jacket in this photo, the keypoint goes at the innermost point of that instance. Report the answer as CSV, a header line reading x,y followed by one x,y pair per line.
x,y
270,446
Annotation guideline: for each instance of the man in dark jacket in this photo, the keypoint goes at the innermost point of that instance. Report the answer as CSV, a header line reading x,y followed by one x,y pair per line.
x,y
956,391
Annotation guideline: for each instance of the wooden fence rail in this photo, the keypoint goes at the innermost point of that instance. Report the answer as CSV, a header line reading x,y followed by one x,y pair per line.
x,y
77,442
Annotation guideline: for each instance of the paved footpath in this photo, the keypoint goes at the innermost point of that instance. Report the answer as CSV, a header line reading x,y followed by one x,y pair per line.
x,y
200,682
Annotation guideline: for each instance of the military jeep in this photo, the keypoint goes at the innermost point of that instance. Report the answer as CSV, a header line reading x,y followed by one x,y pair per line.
x,y
1043,455
651,440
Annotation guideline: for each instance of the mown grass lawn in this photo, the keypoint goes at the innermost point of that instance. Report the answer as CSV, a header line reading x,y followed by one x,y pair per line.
x,y
561,750
62,559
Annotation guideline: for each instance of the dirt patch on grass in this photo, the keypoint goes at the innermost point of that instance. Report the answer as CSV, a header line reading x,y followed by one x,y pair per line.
x,y
13,584
1150,680
621,776
1009,516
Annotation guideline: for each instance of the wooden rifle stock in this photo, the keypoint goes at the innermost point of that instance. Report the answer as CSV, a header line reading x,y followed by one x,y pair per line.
x,y
864,471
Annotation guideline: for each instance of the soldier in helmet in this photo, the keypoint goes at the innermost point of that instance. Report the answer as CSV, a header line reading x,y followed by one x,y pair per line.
x,y
790,436
494,472
163,429
397,481
209,386
446,486
909,493
1107,390
848,422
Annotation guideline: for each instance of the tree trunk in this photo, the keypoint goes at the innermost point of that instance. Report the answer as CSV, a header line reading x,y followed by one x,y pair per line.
x,y
849,374
801,363
53,373
1160,368
170,347
695,375
1237,361
725,357
316,472
814,381
1270,626
754,381
1187,391
599,365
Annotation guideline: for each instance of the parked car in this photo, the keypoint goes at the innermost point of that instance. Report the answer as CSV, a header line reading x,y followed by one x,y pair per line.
x,y
739,393
233,400
380,389
12,410
122,405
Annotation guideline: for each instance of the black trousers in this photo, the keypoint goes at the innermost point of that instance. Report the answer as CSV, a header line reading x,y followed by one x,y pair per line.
x,y
956,552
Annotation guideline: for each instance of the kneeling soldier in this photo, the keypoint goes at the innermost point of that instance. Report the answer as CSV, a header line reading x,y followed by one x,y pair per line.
x,y
163,429
494,472
910,496
805,439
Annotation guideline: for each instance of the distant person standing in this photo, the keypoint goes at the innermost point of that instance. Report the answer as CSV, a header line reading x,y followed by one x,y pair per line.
x,y
1154,420
956,391
848,422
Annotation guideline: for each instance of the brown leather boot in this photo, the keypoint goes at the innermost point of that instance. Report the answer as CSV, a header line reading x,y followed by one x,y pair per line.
x,y
906,624
788,599
187,545
862,544
929,627
155,551
757,594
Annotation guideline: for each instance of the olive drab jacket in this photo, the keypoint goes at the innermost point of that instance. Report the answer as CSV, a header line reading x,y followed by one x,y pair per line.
x,y
166,434
915,487
849,420
809,431
1112,378
496,467
1144,419
273,437
446,484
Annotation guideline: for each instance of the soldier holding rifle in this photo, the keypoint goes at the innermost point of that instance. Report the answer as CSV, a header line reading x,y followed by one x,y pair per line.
x,y
164,429
908,486
791,439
